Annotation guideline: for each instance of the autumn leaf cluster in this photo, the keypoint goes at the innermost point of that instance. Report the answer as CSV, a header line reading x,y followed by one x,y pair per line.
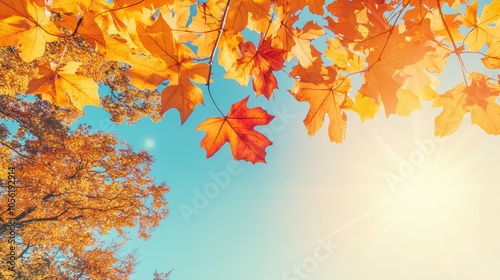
x,y
159,55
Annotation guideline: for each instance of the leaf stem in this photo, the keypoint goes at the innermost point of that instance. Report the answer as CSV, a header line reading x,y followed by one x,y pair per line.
x,y
62,55
456,50
268,26
119,8
212,55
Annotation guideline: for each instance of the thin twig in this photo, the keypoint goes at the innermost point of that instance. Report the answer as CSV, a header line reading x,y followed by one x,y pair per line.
x,y
268,26
212,55
119,8
62,55
456,50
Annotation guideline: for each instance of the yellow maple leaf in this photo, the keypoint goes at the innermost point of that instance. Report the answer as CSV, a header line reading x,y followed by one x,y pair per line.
x,y
492,58
60,85
207,23
486,28
26,25
342,58
365,107
305,52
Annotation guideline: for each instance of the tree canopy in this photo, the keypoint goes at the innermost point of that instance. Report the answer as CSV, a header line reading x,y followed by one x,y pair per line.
x,y
72,183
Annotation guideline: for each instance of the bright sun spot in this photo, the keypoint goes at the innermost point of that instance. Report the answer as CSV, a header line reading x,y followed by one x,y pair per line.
x,y
149,143
426,201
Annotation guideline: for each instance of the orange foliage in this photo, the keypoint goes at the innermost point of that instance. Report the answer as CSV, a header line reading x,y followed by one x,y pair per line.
x,y
396,46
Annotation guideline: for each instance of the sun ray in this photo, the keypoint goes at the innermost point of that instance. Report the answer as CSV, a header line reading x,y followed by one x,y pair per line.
x,y
445,252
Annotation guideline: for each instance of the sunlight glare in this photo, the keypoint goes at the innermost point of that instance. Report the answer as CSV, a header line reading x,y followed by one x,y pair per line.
x,y
149,143
426,203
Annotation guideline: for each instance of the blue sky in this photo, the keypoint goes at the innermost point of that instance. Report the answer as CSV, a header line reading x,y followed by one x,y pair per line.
x,y
319,210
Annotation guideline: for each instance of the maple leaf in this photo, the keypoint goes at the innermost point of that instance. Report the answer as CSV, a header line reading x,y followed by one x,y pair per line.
x,y
478,98
60,82
208,23
174,60
12,7
240,11
451,31
364,106
169,60
485,29
122,19
398,70
237,128
184,97
71,6
351,19
342,58
27,25
260,63
296,41
488,119
87,26
325,98
315,6
492,58
306,53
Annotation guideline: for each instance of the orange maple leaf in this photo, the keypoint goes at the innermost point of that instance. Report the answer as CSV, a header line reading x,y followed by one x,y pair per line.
x,y
87,26
237,128
174,60
296,41
123,18
60,82
478,98
260,63
168,60
326,97
183,97
240,11
294,7
397,72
